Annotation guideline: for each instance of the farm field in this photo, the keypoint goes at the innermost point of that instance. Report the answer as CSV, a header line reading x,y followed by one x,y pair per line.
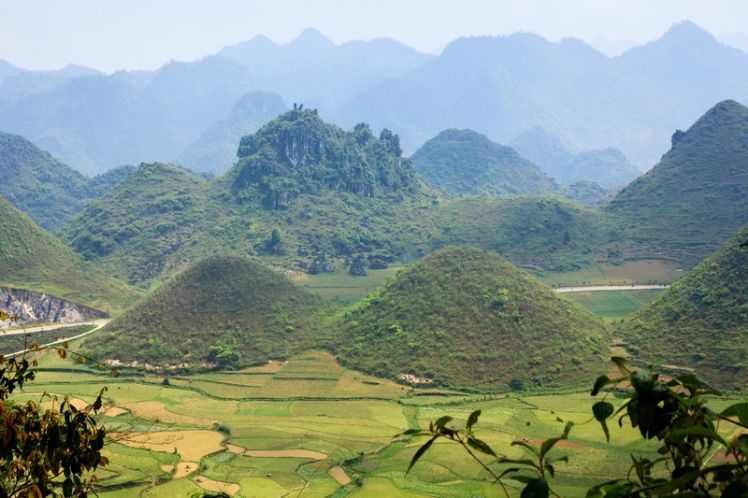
x,y
650,271
614,305
309,428
342,288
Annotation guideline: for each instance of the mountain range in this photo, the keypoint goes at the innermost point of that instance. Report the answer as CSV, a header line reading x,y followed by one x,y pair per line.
x,y
497,86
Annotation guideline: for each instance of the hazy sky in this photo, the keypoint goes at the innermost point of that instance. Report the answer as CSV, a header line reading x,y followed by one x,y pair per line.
x,y
133,34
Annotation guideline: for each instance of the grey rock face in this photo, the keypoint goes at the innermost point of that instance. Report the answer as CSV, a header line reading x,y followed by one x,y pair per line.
x,y
35,307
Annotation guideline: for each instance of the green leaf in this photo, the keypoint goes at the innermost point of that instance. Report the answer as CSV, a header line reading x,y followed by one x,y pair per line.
x,y
601,382
519,461
67,488
532,449
739,410
550,443
472,419
442,421
622,364
480,446
420,453
702,432
410,432
536,488
602,410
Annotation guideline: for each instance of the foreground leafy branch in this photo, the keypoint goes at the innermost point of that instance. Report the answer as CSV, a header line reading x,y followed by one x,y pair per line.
x,y
45,452
673,411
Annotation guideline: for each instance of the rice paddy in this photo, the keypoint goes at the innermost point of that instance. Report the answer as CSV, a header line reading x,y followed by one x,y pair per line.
x,y
310,428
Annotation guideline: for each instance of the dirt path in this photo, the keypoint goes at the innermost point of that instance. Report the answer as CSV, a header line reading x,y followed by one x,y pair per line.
x,y
312,455
599,288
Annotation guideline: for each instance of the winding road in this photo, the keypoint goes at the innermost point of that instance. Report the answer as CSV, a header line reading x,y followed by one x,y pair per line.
x,y
31,330
599,288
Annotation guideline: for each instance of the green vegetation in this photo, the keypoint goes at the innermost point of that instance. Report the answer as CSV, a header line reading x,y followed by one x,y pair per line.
x,y
539,233
38,184
342,288
587,193
672,411
49,191
466,318
223,311
694,199
334,198
701,320
465,162
299,153
46,451
613,305
32,259
132,232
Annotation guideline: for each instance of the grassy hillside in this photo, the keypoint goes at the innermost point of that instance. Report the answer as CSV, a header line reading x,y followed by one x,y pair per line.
x,y
47,190
225,311
133,230
466,162
695,198
702,320
464,317
543,232
32,259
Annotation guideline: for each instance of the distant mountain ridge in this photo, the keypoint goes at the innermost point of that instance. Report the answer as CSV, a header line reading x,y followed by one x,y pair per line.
x,y
215,150
98,122
501,86
497,86
607,167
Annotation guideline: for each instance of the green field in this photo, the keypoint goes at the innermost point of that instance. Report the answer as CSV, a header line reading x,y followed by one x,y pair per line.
x,y
647,271
310,403
344,289
614,305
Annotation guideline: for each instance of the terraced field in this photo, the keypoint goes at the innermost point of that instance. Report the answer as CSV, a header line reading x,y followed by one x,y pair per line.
x,y
309,428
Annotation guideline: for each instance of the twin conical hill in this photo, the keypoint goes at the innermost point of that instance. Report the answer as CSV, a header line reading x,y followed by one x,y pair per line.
x,y
32,259
695,198
466,162
223,311
701,321
463,317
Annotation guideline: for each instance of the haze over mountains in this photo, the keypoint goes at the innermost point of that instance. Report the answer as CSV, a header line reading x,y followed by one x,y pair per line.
x,y
498,86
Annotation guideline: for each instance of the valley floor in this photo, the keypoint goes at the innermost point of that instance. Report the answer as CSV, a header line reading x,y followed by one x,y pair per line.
x,y
308,428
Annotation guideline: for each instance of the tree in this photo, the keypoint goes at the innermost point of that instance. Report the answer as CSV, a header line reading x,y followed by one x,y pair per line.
x,y
276,245
45,452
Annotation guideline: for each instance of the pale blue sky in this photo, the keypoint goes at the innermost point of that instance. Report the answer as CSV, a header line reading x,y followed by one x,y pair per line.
x,y
133,34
